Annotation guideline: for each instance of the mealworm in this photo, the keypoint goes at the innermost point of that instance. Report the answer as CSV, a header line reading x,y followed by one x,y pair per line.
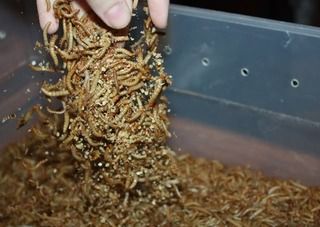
x,y
131,81
76,22
45,34
102,53
58,111
66,122
136,87
55,111
156,92
134,182
94,81
55,93
32,168
41,68
79,41
75,154
39,133
147,58
124,77
70,40
125,70
52,50
120,38
67,56
89,140
69,15
86,66
115,81
135,116
125,201
95,131
123,51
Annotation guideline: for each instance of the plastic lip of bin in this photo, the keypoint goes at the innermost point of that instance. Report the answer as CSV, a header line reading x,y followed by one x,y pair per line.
x,y
244,92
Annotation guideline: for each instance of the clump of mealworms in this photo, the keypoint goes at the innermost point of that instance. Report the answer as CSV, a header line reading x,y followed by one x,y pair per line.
x,y
113,118
100,159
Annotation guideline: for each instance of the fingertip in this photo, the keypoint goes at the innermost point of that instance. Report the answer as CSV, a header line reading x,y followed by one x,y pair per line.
x,y
115,13
47,16
159,12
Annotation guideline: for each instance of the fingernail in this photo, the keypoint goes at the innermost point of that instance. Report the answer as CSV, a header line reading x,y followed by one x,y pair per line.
x,y
118,16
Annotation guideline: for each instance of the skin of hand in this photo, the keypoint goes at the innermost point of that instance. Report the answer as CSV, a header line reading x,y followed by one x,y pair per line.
x,y
115,13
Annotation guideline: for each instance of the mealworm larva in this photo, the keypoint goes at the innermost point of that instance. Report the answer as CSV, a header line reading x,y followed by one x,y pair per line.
x,y
52,50
86,66
102,53
156,92
114,75
70,40
135,116
69,15
94,81
136,87
41,68
39,133
75,154
67,56
55,111
121,115
134,182
79,41
256,213
89,140
147,58
45,34
131,81
126,198
139,156
120,50
32,168
95,131
69,79
66,122
120,38
48,3
124,71
55,93
82,26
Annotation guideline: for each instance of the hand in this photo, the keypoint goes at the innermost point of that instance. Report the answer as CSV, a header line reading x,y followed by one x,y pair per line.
x,y
115,13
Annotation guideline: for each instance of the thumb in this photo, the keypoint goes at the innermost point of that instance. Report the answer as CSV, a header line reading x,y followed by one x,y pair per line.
x,y
115,13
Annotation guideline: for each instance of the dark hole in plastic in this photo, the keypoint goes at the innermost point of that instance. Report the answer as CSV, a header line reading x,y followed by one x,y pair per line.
x,y
295,83
205,61
167,49
245,72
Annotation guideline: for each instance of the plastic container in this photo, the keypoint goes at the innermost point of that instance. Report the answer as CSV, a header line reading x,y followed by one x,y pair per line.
x,y
245,89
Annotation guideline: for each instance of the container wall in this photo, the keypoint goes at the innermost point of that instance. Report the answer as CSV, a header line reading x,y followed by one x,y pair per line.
x,y
245,89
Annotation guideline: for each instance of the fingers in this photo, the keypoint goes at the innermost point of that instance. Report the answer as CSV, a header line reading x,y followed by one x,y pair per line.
x,y
45,16
159,12
115,13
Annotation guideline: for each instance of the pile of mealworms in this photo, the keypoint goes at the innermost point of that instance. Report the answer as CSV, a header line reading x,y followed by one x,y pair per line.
x,y
97,155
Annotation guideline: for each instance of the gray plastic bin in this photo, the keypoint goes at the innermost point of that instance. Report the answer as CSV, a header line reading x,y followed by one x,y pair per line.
x,y
245,89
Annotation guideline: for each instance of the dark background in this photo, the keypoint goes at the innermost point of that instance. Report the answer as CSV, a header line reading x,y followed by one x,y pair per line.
x,y
297,11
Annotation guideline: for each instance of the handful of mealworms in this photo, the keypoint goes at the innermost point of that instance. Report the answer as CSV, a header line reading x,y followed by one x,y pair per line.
x,y
102,159
113,119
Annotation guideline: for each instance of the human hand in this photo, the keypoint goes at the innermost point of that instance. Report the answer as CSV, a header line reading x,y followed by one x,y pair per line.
x,y
115,13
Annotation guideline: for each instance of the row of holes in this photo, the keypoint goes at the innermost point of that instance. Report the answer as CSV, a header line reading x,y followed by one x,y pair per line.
x,y
245,72
294,82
